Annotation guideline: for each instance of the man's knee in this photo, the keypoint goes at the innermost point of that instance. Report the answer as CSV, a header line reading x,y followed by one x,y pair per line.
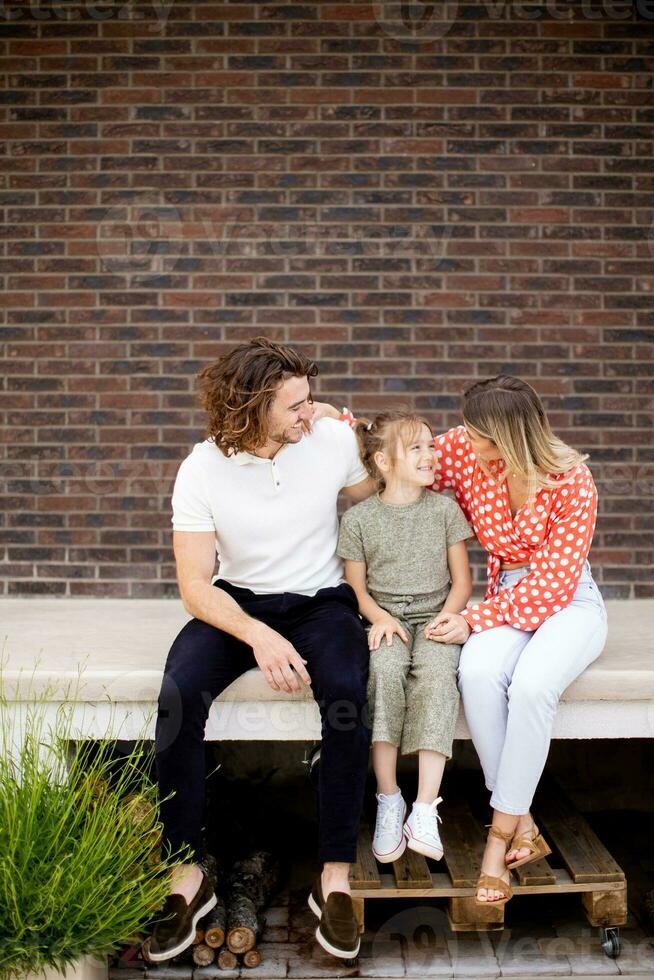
x,y
344,647
346,684
186,683
182,706
343,695
188,689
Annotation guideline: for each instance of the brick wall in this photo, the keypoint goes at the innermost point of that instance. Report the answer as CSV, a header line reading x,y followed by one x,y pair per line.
x,y
415,203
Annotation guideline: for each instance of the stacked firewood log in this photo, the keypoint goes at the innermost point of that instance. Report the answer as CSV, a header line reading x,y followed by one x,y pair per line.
x,y
228,935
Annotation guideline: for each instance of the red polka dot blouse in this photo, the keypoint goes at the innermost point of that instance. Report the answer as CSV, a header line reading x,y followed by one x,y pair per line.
x,y
554,537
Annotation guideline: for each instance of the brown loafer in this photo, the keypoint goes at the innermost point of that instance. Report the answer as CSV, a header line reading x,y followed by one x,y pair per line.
x,y
338,931
172,936
315,900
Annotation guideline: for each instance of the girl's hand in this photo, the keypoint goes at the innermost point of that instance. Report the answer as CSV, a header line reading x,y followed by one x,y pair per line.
x,y
321,410
385,627
448,627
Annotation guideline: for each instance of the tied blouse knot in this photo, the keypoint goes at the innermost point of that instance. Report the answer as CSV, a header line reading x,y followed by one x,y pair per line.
x,y
554,536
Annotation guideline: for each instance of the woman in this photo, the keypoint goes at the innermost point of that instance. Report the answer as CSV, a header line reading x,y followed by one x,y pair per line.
x,y
532,502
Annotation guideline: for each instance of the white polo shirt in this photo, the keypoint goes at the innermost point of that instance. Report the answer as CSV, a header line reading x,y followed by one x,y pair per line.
x,y
275,519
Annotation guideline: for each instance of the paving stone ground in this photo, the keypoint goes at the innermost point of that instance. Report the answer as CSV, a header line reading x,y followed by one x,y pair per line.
x,y
545,936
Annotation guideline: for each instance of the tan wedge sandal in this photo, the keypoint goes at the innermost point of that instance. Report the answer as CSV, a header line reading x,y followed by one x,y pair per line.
x,y
490,882
536,845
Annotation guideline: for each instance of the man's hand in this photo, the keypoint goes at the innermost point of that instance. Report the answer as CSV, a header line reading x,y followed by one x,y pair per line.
x,y
277,658
386,626
448,627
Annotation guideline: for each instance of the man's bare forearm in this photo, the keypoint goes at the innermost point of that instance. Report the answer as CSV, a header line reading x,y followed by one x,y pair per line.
x,y
219,609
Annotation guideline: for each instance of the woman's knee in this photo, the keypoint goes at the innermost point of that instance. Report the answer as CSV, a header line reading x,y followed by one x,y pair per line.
x,y
478,677
533,692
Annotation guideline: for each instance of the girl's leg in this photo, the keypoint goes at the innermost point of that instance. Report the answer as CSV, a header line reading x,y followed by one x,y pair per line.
x,y
430,775
432,708
386,703
384,763
387,677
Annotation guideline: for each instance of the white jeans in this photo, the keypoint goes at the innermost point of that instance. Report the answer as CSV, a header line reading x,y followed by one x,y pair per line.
x,y
511,682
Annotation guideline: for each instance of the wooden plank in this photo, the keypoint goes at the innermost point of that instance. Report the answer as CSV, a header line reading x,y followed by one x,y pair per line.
x,y
411,871
364,873
582,851
536,873
606,908
464,841
464,915
442,887
359,906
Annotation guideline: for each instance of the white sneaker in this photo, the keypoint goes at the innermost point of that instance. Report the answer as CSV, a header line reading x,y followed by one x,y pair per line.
x,y
388,843
421,830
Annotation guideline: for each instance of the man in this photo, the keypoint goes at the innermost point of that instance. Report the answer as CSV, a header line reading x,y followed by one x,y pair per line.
x,y
261,491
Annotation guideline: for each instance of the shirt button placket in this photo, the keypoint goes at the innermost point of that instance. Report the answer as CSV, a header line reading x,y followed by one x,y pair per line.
x,y
275,476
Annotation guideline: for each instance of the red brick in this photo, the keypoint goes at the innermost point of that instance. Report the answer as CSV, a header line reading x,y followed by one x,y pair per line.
x,y
544,269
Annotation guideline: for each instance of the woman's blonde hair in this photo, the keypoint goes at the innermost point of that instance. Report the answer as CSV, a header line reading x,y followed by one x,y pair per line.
x,y
384,434
508,411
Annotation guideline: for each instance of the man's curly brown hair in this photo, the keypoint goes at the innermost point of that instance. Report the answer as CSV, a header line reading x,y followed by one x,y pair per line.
x,y
239,388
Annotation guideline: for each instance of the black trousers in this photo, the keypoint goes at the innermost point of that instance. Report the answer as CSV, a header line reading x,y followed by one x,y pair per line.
x,y
327,632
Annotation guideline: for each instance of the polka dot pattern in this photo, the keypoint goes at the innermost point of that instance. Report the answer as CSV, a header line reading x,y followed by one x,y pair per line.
x,y
554,536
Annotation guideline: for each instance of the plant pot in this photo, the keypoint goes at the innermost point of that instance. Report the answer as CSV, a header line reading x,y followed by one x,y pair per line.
x,y
85,968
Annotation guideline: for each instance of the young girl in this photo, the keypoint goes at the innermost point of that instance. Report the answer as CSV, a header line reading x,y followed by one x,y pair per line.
x,y
406,559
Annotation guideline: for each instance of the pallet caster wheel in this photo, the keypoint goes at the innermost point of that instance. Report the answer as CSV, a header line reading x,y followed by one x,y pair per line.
x,y
610,942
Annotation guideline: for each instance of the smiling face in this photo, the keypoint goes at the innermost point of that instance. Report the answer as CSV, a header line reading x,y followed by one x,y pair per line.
x,y
414,461
291,407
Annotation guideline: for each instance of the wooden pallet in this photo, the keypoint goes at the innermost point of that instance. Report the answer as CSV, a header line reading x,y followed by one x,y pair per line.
x,y
579,863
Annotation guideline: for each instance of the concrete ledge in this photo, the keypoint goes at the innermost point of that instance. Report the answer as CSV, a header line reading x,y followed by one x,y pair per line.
x,y
299,721
113,652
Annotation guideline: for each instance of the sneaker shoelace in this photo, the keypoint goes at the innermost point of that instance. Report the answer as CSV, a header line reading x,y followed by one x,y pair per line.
x,y
390,814
425,818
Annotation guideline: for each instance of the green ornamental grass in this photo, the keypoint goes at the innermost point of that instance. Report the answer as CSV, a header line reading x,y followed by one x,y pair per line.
x,y
81,870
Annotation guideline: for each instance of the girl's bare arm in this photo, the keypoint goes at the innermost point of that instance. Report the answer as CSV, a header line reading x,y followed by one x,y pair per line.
x,y
461,576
